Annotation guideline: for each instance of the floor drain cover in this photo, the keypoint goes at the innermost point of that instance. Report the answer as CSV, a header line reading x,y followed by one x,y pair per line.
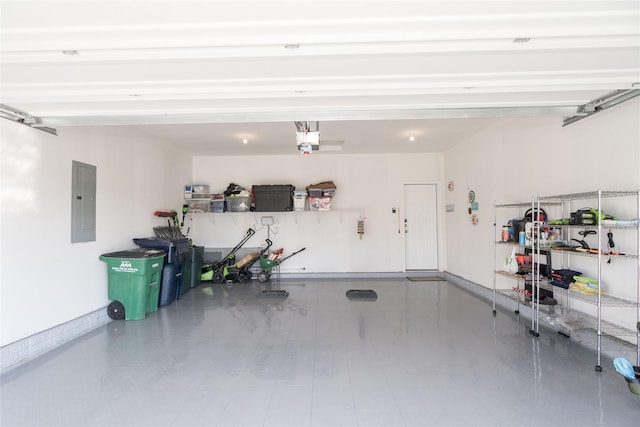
x,y
362,294
273,294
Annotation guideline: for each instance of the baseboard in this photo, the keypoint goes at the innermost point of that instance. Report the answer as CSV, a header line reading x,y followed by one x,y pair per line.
x,y
359,275
24,350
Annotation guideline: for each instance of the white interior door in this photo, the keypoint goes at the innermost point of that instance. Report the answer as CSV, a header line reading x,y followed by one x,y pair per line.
x,y
421,227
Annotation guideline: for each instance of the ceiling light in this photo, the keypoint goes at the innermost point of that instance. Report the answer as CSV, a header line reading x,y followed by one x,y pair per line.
x,y
70,52
292,46
245,140
412,138
521,40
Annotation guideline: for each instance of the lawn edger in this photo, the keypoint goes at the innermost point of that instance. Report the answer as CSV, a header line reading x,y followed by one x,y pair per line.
x,y
268,263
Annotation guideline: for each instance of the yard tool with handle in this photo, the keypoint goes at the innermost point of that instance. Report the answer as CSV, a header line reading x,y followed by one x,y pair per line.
x,y
268,264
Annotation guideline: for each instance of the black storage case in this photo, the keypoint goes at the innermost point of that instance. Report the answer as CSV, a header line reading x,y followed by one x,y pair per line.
x,y
273,198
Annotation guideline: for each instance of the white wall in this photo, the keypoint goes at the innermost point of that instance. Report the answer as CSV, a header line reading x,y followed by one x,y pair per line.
x,y
517,159
368,185
46,280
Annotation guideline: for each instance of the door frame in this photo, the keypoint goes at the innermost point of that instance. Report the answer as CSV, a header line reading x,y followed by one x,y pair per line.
x,y
439,220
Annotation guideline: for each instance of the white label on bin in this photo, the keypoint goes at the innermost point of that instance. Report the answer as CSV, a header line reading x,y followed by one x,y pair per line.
x,y
125,267
155,265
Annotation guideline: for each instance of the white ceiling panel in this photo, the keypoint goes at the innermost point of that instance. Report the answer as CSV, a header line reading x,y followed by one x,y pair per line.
x,y
221,63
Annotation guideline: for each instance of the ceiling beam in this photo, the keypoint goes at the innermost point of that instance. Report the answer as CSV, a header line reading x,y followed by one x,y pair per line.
x,y
297,115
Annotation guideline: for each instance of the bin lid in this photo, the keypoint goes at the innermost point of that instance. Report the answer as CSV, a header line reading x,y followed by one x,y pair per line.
x,y
136,253
179,246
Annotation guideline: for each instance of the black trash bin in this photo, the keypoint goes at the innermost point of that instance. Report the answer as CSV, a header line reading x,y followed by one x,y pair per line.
x,y
171,282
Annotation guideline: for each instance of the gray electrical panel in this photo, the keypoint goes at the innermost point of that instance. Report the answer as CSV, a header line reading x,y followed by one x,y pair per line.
x,y
83,202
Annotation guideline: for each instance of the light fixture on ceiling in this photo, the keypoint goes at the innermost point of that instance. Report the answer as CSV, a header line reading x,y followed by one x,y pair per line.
x,y
245,140
412,137
292,46
307,140
521,40
70,52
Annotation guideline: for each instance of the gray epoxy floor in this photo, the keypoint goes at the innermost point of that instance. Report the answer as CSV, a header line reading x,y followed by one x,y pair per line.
x,y
423,354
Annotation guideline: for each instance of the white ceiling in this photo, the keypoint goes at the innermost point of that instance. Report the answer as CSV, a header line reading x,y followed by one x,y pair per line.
x,y
205,74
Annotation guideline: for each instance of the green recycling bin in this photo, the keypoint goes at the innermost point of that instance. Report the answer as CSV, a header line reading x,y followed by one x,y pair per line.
x,y
197,256
186,273
134,282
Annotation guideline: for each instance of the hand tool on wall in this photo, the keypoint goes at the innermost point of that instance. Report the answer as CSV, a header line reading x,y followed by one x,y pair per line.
x,y
185,209
584,234
612,246
164,214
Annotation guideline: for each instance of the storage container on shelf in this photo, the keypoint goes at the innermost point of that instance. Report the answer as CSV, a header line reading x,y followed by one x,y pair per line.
x,y
299,200
217,206
322,203
200,188
273,198
199,205
238,203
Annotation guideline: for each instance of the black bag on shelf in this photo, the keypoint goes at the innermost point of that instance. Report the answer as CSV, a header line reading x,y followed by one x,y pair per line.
x,y
518,225
583,217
